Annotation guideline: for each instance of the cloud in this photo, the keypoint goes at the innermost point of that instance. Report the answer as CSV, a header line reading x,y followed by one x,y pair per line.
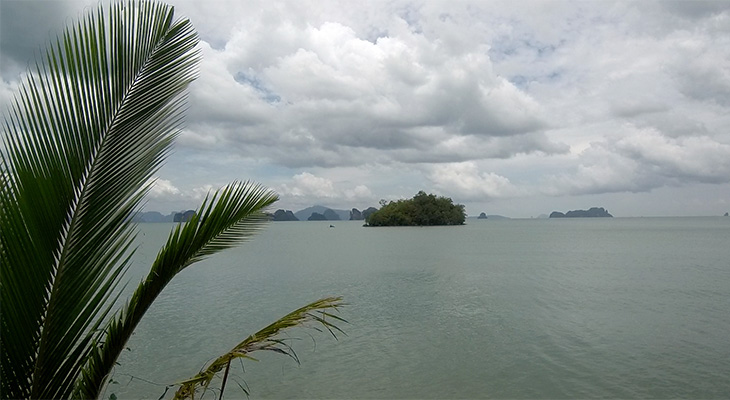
x,y
25,27
693,10
702,67
643,161
359,193
308,185
200,192
501,102
687,159
465,182
163,188
307,88
164,195
305,189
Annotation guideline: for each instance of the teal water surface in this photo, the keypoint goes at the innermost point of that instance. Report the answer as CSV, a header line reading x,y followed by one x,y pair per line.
x,y
534,308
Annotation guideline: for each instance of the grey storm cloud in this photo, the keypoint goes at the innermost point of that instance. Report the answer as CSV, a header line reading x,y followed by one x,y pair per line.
x,y
490,101
26,27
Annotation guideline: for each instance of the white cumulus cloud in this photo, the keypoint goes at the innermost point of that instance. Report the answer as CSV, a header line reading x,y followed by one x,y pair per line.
x,y
163,188
465,181
308,185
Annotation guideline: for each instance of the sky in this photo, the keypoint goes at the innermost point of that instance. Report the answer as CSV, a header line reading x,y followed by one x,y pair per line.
x,y
514,108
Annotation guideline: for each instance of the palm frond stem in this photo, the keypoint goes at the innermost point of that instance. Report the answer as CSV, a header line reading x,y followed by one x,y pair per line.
x,y
266,339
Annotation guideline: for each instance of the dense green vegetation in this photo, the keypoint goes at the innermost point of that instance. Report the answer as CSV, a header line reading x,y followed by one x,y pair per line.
x,y
81,142
422,210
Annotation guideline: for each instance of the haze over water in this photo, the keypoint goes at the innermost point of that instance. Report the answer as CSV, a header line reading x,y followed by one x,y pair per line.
x,y
535,308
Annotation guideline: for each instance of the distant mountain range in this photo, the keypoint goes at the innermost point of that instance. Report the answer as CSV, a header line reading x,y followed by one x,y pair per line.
x,y
314,213
154,216
303,215
321,213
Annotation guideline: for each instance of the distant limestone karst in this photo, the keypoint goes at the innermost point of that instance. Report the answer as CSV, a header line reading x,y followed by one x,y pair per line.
x,y
593,212
331,215
482,216
284,215
152,216
183,216
304,214
328,215
314,213
317,217
356,215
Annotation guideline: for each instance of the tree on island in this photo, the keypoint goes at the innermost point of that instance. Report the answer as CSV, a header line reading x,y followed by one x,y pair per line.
x,y
81,140
422,210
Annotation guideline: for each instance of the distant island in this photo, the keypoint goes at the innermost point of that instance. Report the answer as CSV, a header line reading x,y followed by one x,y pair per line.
x,y
594,212
156,217
283,215
320,213
444,213
492,216
422,210
356,215
327,215
314,213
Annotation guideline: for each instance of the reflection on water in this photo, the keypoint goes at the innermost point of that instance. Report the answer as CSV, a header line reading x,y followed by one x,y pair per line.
x,y
628,308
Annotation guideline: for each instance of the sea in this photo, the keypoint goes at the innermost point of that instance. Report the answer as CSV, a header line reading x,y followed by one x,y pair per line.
x,y
631,308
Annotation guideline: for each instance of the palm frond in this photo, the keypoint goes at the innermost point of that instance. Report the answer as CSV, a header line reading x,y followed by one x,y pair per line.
x,y
88,128
316,313
228,217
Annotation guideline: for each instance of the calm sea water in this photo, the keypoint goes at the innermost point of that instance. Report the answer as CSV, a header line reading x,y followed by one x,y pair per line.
x,y
569,308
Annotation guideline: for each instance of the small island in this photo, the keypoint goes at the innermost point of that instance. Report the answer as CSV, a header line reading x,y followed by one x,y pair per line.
x,y
422,210
283,215
356,215
593,212
327,215
184,216
482,216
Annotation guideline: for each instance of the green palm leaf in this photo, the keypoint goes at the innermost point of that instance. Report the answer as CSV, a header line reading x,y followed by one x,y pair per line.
x,y
267,339
230,216
87,130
